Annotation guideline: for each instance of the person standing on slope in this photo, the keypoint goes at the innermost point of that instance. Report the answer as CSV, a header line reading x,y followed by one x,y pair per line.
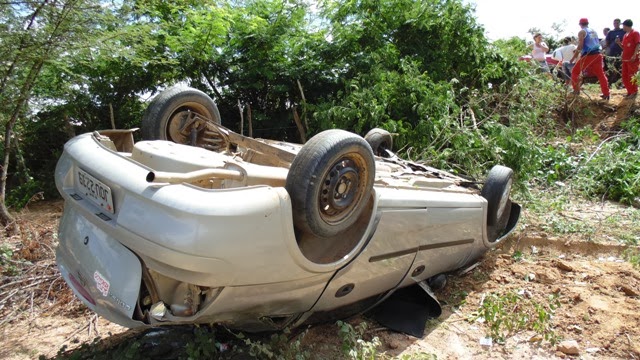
x,y
564,55
590,59
612,53
539,50
630,46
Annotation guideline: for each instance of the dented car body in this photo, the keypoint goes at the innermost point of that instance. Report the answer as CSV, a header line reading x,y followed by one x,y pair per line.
x,y
259,234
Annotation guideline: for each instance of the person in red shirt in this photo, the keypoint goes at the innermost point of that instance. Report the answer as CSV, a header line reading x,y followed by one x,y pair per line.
x,y
630,46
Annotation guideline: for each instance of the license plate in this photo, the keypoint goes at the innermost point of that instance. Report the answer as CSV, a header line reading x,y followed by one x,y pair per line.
x,y
95,190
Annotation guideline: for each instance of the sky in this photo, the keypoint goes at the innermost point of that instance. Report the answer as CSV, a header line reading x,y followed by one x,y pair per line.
x,y
503,19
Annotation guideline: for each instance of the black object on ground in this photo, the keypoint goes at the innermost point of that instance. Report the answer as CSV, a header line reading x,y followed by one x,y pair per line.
x,y
407,310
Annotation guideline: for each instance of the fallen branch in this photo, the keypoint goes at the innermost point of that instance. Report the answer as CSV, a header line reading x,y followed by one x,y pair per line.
x,y
49,277
25,287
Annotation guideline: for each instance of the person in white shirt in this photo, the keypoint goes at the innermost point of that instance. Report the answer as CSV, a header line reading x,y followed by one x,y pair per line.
x,y
564,54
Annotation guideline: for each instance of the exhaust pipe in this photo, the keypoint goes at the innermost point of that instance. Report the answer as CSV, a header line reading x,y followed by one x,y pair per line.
x,y
249,175
177,178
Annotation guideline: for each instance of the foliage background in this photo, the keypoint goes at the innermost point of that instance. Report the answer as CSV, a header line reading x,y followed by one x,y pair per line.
x,y
421,69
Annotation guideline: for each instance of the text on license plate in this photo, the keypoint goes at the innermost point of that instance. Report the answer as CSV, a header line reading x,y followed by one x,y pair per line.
x,y
95,190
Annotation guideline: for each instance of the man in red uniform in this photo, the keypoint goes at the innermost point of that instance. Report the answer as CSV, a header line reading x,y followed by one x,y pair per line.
x,y
590,59
630,46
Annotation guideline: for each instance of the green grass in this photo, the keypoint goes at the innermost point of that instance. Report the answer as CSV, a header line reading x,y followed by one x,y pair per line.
x,y
510,313
353,345
632,255
8,266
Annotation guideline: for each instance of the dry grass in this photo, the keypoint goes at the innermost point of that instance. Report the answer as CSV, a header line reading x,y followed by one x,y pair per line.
x,y
31,283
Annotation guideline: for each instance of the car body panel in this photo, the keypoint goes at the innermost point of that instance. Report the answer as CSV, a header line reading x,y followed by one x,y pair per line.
x,y
100,266
548,57
226,250
381,265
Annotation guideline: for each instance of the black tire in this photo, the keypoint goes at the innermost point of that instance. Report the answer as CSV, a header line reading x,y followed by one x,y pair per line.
x,y
330,182
495,231
379,140
496,190
161,120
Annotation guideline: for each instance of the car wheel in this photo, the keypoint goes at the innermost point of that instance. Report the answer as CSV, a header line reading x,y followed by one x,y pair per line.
x,y
496,190
495,231
380,140
166,118
330,182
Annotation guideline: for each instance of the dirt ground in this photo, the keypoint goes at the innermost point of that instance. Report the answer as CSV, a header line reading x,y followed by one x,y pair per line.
x,y
596,290
604,117
594,293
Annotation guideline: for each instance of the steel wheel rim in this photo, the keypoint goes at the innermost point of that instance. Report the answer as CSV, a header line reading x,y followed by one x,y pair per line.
x,y
341,190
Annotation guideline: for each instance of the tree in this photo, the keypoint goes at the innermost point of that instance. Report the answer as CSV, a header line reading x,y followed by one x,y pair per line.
x,y
405,65
34,35
266,63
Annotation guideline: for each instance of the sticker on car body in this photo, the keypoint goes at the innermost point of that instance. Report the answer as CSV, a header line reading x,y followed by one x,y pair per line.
x,y
101,283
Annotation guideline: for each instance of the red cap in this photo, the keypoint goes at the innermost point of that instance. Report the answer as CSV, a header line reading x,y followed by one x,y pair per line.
x,y
583,21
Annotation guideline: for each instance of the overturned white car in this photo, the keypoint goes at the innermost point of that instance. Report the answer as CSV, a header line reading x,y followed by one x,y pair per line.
x,y
258,234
